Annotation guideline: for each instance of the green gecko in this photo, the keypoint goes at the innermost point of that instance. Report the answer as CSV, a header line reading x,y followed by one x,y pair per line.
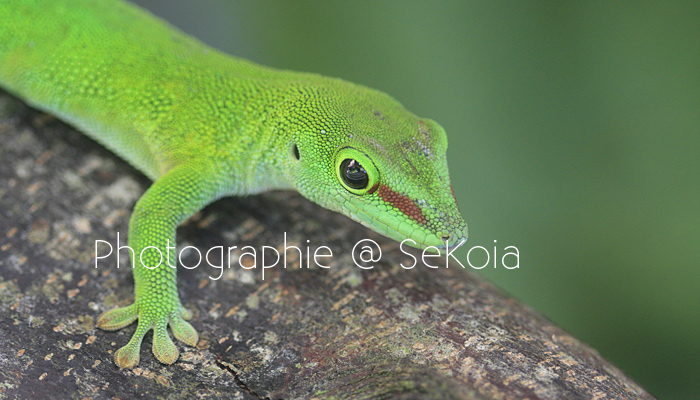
x,y
202,125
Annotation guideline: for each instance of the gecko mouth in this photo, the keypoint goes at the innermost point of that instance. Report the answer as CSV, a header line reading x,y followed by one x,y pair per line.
x,y
418,238
441,234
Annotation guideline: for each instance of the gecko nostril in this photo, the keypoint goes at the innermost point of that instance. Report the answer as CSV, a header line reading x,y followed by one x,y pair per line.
x,y
445,237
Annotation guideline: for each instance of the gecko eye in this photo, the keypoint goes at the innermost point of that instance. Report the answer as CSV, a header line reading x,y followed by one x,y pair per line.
x,y
356,171
353,174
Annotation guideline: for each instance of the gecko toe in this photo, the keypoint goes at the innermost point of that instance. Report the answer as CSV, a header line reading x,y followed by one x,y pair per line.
x,y
163,347
185,313
117,318
184,331
127,357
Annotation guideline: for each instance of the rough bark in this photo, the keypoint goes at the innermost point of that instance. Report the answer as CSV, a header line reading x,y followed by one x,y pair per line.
x,y
342,332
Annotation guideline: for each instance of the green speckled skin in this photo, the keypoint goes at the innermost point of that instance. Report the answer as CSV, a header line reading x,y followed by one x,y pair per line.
x,y
204,125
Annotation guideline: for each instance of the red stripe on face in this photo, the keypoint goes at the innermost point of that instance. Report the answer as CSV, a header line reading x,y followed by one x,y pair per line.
x,y
403,203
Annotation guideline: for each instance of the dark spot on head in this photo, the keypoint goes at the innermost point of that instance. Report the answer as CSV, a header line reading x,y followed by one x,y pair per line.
x,y
295,151
378,114
403,203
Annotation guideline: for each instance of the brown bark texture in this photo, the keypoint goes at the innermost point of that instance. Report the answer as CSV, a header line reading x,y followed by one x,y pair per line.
x,y
341,332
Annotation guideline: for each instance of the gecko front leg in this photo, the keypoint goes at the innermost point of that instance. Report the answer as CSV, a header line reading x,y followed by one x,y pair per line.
x,y
174,197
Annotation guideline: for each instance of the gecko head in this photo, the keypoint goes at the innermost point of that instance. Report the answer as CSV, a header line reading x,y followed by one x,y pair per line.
x,y
372,160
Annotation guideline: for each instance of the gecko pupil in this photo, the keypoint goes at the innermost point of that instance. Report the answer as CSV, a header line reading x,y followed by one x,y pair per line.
x,y
353,174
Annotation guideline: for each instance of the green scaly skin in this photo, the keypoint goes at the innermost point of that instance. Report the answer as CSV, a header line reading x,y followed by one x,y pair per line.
x,y
203,125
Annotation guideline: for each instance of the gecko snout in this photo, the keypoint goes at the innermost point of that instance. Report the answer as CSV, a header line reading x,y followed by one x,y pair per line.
x,y
454,239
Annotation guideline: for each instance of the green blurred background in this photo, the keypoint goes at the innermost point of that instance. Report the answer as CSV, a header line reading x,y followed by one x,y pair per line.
x,y
574,132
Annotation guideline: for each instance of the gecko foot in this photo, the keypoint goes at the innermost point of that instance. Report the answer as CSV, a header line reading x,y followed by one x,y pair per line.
x,y
155,318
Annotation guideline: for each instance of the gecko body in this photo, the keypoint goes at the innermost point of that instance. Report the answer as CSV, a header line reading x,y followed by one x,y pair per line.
x,y
203,125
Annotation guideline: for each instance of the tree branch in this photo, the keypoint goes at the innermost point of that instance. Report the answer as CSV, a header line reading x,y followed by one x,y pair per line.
x,y
340,332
